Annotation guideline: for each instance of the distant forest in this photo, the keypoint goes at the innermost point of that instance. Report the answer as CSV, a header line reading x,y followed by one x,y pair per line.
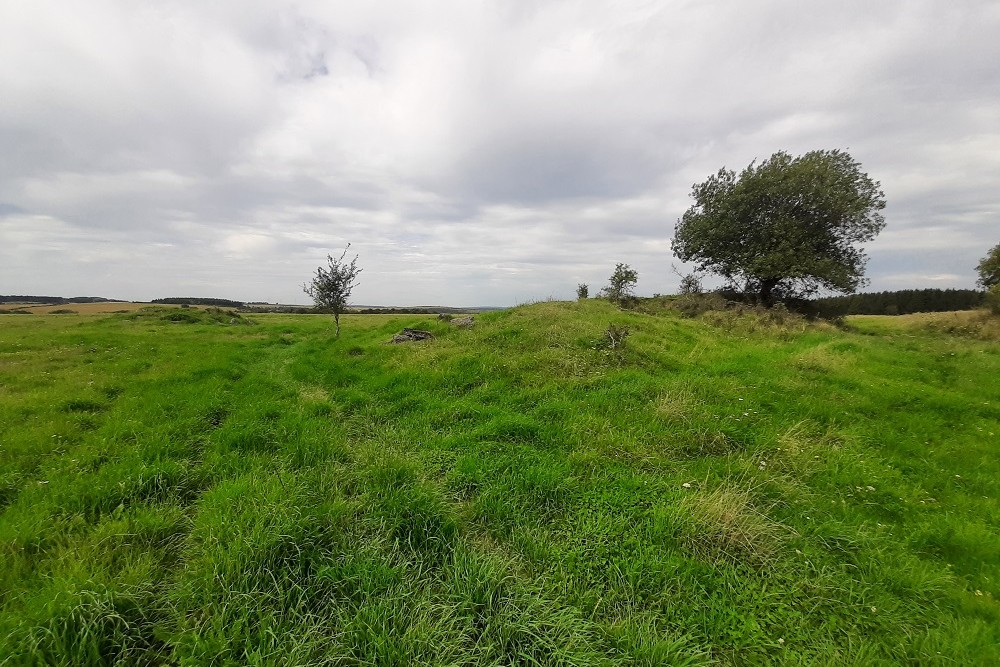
x,y
900,302
52,300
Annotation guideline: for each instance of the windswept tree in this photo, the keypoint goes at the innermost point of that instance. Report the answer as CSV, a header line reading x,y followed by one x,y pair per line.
x,y
786,227
989,278
332,285
989,268
582,291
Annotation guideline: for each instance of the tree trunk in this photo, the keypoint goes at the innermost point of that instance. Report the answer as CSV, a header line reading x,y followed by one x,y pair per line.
x,y
766,293
336,319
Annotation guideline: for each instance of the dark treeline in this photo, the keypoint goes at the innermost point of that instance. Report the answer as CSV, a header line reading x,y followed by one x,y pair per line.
x,y
900,302
24,298
199,301
52,300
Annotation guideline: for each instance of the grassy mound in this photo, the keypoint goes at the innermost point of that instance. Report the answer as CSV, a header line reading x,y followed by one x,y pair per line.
x,y
561,484
186,315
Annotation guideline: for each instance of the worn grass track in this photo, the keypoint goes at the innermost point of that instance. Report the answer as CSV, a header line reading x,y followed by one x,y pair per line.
x,y
723,490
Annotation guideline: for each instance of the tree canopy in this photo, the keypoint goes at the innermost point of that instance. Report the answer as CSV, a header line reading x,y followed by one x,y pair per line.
x,y
784,227
331,286
989,268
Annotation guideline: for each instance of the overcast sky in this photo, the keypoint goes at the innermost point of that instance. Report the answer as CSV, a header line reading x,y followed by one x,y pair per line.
x,y
474,153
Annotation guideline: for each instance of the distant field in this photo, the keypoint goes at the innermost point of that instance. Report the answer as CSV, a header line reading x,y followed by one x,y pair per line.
x,y
193,488
84,308
963,323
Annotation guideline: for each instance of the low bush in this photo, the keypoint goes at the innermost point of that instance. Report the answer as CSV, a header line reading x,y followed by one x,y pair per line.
x,y
993,299
615,335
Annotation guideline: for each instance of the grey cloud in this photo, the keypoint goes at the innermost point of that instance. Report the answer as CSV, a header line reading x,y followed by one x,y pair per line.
x,y
472,153
10,209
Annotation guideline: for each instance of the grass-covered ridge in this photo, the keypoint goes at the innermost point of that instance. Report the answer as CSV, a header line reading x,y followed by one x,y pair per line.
x,y
722,490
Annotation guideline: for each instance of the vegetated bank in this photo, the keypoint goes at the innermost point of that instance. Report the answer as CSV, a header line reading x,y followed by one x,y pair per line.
x,y
561,484
199,301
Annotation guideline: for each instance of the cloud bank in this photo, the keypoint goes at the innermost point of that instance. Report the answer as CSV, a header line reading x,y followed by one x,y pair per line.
x,y
472,152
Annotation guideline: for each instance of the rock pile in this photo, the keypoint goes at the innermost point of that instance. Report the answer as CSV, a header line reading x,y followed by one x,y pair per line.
x,y
410,335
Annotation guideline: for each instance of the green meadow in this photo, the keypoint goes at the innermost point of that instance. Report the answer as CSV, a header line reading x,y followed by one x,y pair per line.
x,y
187,487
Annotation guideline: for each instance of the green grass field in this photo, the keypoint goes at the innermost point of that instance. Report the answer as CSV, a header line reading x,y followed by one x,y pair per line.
x,y
178,488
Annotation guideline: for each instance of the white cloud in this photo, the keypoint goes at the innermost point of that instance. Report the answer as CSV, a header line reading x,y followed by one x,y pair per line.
x,y
473,152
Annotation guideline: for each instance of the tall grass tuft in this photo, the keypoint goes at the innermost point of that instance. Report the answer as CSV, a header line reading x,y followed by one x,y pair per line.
x,y
723,525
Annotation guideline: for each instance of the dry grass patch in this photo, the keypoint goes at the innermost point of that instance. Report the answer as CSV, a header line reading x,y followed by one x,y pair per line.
x,y
980,324
724,525
975,324
313,394
806,437
678,404
821,358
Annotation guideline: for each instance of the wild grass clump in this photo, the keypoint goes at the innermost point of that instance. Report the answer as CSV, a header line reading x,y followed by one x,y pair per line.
x,y
693,305
725,526
90,625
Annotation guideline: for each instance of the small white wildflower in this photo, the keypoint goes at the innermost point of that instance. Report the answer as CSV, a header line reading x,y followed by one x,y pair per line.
x,y
870,488
874,609
686,485
781,640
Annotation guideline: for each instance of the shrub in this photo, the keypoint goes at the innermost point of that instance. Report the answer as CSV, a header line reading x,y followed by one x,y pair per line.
x,y
993,299
693,305
615,336
724,526
620,285
690,284
331,286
